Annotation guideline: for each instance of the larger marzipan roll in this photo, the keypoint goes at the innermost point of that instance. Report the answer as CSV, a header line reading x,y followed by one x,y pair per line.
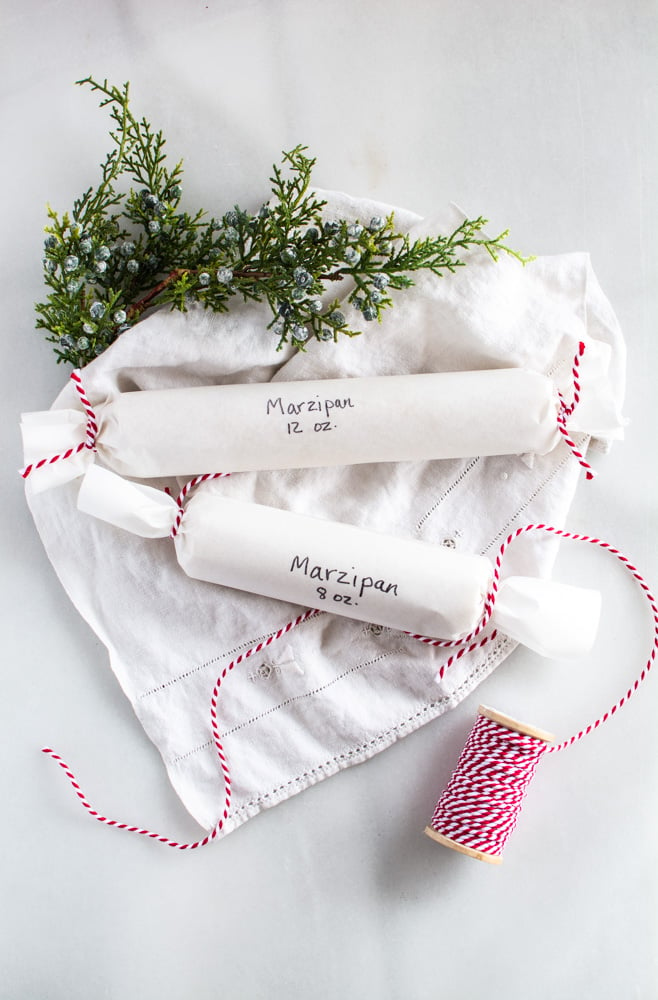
x,y
283,425
254,426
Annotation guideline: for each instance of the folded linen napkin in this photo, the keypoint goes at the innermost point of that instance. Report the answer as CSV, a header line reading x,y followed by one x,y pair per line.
x,y
333,691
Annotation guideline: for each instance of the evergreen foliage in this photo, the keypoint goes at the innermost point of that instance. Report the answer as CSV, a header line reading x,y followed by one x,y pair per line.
x,y
127,246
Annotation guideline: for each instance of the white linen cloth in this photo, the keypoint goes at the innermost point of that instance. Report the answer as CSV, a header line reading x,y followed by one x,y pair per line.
x,y
333,692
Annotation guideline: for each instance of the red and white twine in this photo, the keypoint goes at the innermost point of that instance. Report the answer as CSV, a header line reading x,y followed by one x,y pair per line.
x,y
565,410
91,432
180,499
575,380
219,825
482,801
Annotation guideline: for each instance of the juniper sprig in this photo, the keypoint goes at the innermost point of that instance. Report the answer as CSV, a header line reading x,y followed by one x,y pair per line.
x,y
126,246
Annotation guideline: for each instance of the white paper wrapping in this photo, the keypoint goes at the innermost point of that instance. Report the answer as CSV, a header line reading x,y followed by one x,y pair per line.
x,y
237,428
400,583
555,620
308,424
334,691
54,432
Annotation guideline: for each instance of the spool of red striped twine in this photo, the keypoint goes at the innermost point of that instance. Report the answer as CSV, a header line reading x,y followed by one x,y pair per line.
x,y
479,808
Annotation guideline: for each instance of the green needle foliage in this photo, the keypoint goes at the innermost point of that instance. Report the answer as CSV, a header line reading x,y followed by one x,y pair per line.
x,y
127,246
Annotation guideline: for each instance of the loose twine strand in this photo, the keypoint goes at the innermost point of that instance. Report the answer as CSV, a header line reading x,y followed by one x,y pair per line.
x,y
490,602
219,825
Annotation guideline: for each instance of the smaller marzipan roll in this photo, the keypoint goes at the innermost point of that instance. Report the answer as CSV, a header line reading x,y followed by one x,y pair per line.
x,y
402,583
283,425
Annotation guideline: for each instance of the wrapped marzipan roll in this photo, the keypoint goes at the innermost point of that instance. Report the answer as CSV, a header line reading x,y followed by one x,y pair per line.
x,y
280,425
401,583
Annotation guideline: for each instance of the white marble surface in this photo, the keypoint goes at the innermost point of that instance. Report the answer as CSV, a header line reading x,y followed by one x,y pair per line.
x,y
542,117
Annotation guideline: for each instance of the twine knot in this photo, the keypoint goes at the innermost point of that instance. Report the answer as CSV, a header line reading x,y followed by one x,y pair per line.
x,y
565,410
175,528
91,433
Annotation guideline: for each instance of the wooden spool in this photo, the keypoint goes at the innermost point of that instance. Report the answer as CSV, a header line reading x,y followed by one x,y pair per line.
x,y
517,727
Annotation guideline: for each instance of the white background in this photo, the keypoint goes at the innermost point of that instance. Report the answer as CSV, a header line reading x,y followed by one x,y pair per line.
x,y
542,117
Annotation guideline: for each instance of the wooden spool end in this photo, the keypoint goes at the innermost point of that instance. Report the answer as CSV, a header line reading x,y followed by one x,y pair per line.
x,y
514,725
491,859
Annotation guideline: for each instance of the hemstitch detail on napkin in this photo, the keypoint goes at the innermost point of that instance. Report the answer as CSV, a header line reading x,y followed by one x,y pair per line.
x,y
501,648
446,493
504,531
289,701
